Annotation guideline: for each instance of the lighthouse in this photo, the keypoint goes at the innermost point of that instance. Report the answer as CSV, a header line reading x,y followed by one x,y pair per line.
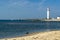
x,y
48,12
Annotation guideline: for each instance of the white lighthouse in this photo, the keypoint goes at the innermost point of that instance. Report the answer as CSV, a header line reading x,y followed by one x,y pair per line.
x,y
48,12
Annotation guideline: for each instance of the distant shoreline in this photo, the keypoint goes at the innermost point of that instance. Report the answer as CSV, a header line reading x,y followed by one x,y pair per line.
x,y
31,20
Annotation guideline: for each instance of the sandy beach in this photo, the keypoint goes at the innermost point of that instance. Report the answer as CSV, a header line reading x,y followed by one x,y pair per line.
x,y
49,35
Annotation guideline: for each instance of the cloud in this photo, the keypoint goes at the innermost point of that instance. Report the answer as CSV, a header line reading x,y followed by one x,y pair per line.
x,y
14,3
41,5
24,3
42,2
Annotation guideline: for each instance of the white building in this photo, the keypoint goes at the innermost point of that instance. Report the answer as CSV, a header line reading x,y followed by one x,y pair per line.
x,y
58,17
48,12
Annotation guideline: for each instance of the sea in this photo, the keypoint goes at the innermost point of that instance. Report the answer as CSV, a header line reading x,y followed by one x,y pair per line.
x,y
14,28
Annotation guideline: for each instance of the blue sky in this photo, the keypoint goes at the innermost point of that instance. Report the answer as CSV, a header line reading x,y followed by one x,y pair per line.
x,y
23,9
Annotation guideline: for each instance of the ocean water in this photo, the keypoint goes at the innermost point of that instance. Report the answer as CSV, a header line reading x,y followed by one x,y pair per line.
x,y
15,28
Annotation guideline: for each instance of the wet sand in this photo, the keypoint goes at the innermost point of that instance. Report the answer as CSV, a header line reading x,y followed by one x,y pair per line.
x,y
49,35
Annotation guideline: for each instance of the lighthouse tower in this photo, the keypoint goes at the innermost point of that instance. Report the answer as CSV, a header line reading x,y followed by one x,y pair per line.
x,y
48,12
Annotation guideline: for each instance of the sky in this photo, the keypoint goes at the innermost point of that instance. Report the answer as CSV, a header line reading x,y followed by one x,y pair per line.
x,y
28,9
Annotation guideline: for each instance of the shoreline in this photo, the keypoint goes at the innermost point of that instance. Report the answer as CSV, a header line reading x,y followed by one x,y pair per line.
x,y
48,35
